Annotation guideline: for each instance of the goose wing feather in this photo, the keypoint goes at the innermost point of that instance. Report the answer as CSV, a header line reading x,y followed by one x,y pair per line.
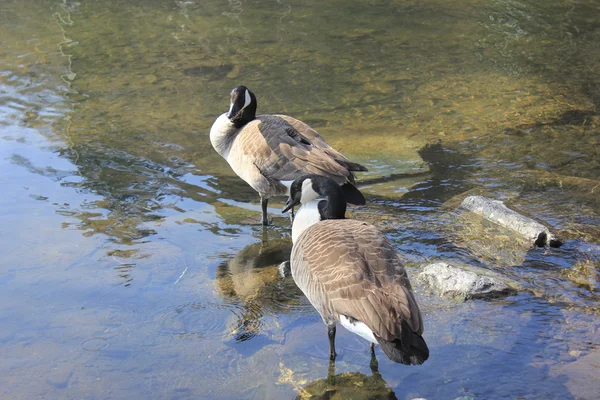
x,y
317,141
285,151
355,270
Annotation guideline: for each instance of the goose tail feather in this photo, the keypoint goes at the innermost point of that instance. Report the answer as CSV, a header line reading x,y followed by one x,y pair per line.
x,y
353,195
352,166
410,349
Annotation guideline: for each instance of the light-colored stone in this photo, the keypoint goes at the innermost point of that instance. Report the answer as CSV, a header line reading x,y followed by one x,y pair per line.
x,y
497,212
463,283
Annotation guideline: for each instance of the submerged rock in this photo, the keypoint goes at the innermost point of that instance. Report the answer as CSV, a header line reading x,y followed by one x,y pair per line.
x,y
346,386
589,250
497,212
581,375
464,283
583,273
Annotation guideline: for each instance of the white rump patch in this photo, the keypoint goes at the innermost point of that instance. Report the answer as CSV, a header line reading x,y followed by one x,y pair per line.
x,y
307,215
308,193
358,328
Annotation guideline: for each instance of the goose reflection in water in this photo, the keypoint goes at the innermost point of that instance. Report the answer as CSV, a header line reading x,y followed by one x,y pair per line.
x,y
252,278
349,385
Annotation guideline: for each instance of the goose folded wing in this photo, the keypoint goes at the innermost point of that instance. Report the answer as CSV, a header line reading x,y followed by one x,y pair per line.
x,y
309,133
320,143
363,278
380,304
287,156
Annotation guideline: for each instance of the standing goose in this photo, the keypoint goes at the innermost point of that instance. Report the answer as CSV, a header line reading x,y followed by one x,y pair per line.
x,y
270,151
351,274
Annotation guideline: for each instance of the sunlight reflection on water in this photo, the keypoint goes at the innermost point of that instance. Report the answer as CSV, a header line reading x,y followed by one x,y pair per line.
x,y
134,265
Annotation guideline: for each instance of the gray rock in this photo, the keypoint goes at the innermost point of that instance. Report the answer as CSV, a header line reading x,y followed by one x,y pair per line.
x,y
498,213
463,283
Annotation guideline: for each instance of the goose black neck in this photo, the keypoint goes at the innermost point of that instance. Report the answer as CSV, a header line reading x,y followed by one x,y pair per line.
x,y
335,205
248,114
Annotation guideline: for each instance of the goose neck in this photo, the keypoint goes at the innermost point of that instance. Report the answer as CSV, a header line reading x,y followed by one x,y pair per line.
x,y
335,205
222,134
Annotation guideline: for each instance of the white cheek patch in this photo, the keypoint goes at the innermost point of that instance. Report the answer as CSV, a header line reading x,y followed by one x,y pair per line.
x,y
306,216
308,193
248,99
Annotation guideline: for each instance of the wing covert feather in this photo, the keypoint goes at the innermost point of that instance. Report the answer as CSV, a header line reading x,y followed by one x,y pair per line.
x,y
283,148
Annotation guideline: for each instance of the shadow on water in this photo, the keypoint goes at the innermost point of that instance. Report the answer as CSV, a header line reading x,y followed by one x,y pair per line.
x,y
252,278
449,170
446,176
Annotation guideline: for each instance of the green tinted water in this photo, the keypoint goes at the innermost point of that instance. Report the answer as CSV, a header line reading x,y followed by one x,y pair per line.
x,y
133,265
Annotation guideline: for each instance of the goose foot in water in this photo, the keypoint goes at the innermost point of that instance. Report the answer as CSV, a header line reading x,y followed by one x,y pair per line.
x,y
331,373
374,364
285,269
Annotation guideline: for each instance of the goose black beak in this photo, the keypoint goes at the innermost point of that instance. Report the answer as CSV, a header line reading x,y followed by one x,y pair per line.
x,y
233,111
290,203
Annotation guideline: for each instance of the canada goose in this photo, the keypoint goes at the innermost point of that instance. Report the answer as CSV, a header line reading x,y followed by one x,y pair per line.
x,y
270,151
350,273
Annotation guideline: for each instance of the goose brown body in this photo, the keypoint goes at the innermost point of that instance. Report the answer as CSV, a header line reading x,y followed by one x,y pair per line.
x,y
349,271
275,148
270,151
348,267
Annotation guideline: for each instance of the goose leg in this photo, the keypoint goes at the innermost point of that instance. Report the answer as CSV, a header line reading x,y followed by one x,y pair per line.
x,y
374,364
292,215
331,373
331,334
285,269
264,238
263,203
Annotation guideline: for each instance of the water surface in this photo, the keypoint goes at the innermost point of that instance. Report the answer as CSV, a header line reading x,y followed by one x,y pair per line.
x,y
133,262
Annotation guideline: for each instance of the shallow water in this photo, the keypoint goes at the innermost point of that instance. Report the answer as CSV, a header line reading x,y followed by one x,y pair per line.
x,y
133,264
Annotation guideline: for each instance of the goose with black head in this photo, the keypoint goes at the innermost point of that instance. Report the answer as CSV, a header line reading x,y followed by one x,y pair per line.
x,y
270,151
351,274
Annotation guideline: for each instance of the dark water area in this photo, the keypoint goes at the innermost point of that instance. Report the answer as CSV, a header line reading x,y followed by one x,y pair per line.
x,y
133,262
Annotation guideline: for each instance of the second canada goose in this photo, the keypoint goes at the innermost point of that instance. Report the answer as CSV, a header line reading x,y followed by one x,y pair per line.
x,y
270,151
351,274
